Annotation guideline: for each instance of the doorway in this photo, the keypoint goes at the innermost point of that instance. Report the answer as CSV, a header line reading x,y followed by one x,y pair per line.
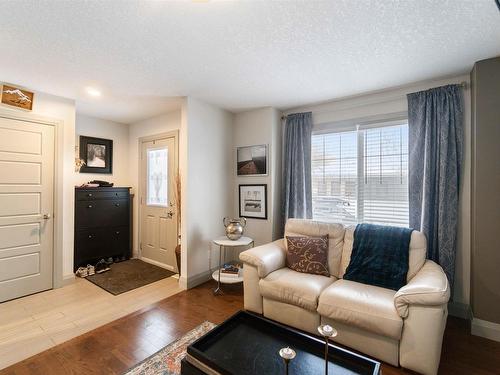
x,y
27,155
158,229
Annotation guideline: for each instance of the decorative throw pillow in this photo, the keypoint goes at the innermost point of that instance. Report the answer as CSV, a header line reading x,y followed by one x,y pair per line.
x,y
308,255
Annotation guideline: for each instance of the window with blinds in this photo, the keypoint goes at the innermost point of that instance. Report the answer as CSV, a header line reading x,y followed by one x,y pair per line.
x,y
361,175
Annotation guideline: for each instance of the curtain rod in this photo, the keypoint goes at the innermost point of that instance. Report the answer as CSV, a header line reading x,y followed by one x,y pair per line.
x,y
462,84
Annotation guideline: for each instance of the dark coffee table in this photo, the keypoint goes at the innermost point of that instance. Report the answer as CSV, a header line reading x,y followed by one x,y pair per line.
x,y
248,344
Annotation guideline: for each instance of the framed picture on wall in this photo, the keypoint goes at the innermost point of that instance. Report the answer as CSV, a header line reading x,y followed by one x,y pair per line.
x,y
97,153
253,201
17,97
252,160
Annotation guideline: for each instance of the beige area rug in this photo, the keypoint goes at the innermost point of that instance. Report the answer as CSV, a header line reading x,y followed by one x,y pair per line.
x,y
167,361
128,275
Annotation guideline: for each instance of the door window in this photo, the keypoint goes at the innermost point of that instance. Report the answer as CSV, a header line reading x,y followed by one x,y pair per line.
x,y
157,177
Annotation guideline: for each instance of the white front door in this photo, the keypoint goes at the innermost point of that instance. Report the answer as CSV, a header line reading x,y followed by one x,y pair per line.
x,y
26,207
158,235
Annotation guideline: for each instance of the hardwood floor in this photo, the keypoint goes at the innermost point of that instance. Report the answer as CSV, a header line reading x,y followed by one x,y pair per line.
x,y
119,345
35,323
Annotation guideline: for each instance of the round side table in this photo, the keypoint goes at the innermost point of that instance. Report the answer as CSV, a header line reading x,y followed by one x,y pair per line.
x,y
223,242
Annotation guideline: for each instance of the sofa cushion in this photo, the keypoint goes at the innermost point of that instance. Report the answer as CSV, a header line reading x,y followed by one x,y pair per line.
x,y
311,228
308,254
364,306
417,254
295,288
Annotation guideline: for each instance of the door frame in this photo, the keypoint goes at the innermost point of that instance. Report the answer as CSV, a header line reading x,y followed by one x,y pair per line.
x,y
58,186
171,134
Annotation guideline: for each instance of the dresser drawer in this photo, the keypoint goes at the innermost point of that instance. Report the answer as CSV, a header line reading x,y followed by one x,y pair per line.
x,y
95,244
91,245
119,240
97,195
101,213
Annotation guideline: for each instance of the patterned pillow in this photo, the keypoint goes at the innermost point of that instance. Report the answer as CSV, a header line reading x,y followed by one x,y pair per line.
x,y
308,254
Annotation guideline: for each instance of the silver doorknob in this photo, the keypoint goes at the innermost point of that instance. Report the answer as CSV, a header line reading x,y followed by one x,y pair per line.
x,y
46,216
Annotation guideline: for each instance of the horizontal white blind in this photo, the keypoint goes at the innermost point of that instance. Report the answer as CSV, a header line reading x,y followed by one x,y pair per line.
x,y
361,176
334,176
385,182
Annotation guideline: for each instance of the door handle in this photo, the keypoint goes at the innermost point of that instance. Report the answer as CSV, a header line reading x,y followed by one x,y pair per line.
x,y
46,216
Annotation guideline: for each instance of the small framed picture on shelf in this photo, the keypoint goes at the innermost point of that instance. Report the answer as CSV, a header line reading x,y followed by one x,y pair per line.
x,y
251,160
253,201
97,153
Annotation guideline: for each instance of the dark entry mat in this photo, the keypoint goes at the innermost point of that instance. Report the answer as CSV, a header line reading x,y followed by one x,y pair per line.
x,y
128,275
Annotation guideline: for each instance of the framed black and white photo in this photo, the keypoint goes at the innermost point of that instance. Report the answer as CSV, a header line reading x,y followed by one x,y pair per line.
x,y
97,153
252,160
253,201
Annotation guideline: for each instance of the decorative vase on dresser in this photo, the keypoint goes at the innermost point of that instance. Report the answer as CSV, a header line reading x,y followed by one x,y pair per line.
x,y
102,224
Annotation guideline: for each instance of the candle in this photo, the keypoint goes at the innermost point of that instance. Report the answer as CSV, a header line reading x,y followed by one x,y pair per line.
x,y
287,353
327,331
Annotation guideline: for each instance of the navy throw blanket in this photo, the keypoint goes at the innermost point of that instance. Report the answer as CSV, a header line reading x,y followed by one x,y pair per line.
x,y
379,256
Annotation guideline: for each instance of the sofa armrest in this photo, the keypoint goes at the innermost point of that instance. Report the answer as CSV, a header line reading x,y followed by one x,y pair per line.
x,y
429,287
267,258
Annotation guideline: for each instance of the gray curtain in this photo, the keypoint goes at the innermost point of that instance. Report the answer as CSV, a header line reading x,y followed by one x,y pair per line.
x,y
435,121
297,194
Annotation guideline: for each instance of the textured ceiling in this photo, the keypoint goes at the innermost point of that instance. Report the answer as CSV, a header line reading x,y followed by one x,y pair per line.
x,y
238,54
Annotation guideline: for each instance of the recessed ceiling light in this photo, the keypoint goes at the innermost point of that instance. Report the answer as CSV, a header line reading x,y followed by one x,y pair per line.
x,y
93,92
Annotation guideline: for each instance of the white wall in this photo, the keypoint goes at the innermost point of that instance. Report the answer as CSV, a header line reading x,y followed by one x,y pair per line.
x,y
96,127
153,126
206,171
260,126
205,161
393,101
61,110
64,110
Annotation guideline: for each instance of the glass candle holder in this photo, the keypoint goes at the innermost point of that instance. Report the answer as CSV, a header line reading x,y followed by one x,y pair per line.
x,y
287,354
327,332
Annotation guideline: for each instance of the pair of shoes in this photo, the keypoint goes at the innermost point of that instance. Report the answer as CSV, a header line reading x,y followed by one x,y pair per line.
x,y
82,272
101,266
90,269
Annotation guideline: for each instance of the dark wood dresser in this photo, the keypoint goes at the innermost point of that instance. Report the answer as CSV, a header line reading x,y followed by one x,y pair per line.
x,y
102,224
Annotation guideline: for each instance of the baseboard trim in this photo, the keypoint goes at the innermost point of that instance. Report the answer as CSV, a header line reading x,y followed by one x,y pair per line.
x,y
485,329
156,263
460,310
67,280
198,279
183,282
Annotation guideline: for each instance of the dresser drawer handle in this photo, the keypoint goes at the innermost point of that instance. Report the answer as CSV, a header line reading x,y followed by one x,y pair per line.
x,y
117,232
89,194
90,236
89,206
117,204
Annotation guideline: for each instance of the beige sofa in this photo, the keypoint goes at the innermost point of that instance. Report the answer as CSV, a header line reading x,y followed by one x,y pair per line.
x,y
403,327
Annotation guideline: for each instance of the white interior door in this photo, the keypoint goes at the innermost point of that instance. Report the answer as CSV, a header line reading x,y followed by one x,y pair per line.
x,y
26,207
158,235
